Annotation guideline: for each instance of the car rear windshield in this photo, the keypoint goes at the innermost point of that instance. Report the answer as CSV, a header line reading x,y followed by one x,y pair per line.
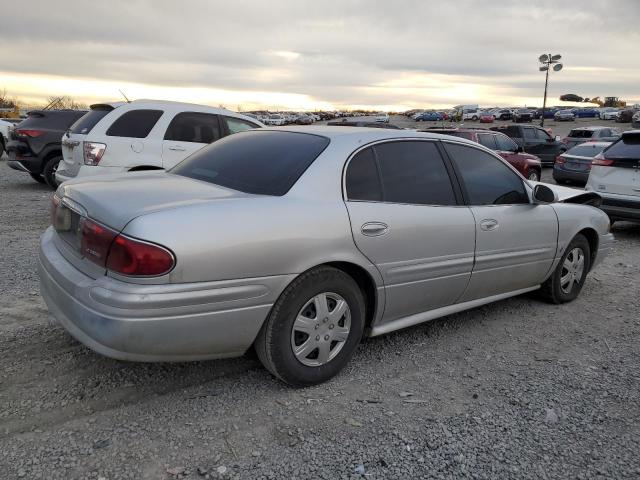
x,y
586,150
627,147
89,120
51,119
258,162
581,133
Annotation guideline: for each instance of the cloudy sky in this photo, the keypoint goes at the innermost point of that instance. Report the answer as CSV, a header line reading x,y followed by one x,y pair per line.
x,y
306,54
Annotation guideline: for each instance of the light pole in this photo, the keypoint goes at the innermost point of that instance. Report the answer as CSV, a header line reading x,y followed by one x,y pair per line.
x,y
546,59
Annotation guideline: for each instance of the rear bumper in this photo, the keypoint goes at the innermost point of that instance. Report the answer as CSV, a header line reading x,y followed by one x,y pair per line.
x,y
62,174
152,323
621,207
560,173
21,158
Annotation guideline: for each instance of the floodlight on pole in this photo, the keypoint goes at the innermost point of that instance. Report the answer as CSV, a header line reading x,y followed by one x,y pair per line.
x,y
547,60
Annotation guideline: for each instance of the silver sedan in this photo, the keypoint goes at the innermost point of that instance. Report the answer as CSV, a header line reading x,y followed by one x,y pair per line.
x,y
299,241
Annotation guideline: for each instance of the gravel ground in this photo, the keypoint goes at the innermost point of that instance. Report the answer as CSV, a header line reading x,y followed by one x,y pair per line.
x,y
516,389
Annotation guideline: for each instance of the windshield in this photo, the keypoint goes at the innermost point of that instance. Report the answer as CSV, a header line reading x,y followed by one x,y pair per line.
x,y
258,162
627,147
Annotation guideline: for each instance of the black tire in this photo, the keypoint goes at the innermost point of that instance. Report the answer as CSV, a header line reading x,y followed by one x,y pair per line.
x,y
274,342
474,118
37,177
49,171
534,175
552,290
1,146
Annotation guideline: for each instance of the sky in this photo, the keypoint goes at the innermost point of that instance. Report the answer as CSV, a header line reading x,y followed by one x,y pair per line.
x,y
311,54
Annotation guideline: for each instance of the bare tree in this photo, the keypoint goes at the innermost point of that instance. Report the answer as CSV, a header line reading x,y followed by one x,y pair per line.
x,y
65,102
5,101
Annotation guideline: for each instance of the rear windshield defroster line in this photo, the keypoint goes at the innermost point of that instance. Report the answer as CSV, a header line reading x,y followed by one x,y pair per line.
x,y
262,162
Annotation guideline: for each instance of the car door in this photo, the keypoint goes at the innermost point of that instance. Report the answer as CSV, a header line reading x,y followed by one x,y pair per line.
x,y
508,150
407,219
531,142
187,133
516,240
548,147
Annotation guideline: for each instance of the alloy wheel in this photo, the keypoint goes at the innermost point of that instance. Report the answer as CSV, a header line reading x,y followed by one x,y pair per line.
x,y
572,270
321,329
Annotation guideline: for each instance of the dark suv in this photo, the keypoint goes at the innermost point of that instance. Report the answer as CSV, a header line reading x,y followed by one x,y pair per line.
x,y
35,143
528,165
534,140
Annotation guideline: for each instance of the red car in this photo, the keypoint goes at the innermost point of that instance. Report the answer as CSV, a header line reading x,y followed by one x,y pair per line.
x,y
528,165
487,117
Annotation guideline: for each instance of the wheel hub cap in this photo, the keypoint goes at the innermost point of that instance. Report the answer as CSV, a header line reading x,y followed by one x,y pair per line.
x,y
321,329
572,270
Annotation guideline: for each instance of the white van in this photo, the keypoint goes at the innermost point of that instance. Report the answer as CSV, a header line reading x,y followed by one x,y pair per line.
x,y
142,135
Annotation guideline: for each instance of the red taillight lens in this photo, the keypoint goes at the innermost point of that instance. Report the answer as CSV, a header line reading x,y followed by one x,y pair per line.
x,y
96,240
23,132
601,161
136,258
560,160
93,152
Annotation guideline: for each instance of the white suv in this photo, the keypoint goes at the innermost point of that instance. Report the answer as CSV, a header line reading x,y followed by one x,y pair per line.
x,y
142,135
615,175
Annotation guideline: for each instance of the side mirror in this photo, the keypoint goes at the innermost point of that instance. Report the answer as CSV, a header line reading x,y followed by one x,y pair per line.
x,y
543,194
557,138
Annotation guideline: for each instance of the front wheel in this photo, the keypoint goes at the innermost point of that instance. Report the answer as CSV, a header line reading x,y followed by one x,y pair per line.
x,y
37,177
313,328
566,281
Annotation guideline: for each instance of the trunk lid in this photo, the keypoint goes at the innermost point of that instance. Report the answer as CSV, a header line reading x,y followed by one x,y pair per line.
x,y
115,200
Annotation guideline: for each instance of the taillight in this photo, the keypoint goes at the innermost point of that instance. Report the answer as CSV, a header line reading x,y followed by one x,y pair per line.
x,y
560,160
96,241
25,132
93,152
136,258
601,161
55,203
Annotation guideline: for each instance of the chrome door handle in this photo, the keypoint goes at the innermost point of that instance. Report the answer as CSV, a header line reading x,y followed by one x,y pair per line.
x,y
489,224
177,148
374,229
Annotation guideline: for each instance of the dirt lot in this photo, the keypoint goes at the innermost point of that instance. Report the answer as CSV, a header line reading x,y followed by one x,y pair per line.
x,y
516,389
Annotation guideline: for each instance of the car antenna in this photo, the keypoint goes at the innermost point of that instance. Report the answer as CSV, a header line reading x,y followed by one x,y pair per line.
x,y
125,97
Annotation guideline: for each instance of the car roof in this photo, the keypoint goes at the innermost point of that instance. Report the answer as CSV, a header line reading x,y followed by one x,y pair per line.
x,y
592,144
363,134
590,128
144,102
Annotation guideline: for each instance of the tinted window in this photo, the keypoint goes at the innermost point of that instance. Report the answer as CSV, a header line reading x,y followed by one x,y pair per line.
x,y
487,140
235,125
362,180
513,132
627,147
134,123
89,120
466,135
193,127
414,172
529,133
586,150
505,143
581,133
258,161
487,180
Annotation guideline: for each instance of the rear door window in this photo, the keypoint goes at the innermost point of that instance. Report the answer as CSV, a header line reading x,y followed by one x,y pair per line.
x,y
85,123
134,123
194,127
362,179
581,133
413,172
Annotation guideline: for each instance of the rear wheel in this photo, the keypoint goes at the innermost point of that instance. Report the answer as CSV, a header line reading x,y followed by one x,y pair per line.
x,y
534,175
566,281
37,177
313,328
49,171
